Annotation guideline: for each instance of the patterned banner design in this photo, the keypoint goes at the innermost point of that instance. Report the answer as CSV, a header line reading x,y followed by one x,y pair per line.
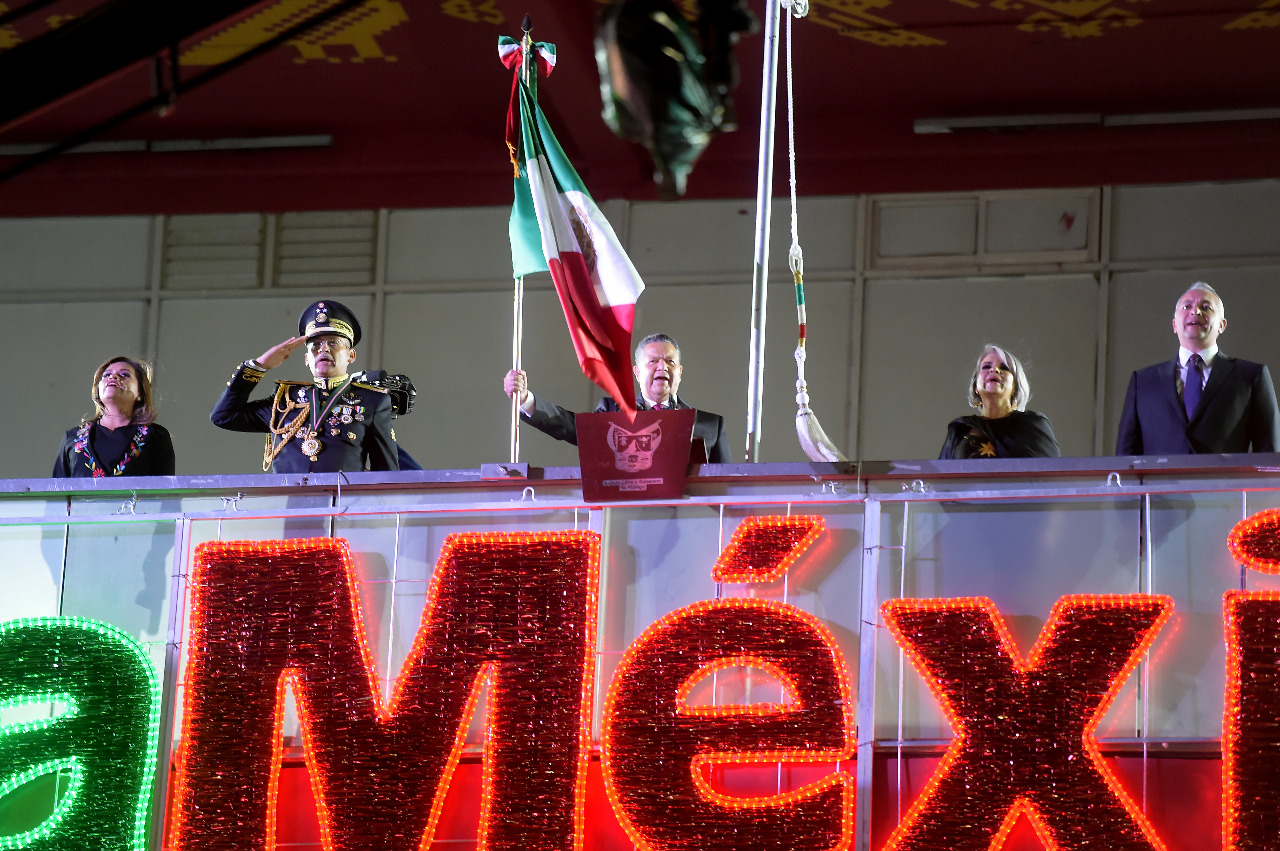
x,y
355,32
1024,731
8,35
853,18
1261,19
516,612
1069,18
474,11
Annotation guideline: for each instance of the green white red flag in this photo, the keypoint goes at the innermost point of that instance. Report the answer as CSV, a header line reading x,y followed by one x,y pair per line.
x,y
557,227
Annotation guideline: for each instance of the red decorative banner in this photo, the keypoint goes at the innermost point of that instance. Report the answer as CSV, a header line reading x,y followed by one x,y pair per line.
x,y
516,611
1024,731
763,548
657,748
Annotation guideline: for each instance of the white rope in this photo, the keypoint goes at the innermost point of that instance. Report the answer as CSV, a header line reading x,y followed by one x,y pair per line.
x,y
795,258
817,446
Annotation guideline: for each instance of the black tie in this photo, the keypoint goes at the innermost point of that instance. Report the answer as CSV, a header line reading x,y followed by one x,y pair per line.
x,y
1194,385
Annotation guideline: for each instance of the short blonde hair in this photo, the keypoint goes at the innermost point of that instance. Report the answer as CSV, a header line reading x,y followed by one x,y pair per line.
x,y
144,409
1021,384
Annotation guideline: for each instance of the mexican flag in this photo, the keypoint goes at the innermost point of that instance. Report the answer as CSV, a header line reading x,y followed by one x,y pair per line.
x,y
556,227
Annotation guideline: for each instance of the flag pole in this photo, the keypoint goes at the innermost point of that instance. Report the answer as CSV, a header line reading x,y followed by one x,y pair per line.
x,y
517,329
517,333
764,190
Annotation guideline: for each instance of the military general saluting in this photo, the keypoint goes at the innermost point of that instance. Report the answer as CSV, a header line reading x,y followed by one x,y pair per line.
x,y
330,424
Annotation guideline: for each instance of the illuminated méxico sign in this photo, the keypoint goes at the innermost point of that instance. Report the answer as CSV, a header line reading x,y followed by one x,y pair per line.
x,y
517,613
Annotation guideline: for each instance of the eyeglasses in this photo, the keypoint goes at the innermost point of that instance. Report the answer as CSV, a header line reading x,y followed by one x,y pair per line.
x,y
333,344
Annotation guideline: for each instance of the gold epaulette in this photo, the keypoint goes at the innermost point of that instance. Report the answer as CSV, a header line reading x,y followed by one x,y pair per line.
x,y
293,383
369,386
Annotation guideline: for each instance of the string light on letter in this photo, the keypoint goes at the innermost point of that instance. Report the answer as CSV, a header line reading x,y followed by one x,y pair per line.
x,y
763,548
516,611
1250,743
686,707
101,737
1255,541
1024,731
657,747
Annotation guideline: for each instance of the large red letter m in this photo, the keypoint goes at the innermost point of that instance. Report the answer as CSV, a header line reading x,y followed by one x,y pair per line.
x,y
517,611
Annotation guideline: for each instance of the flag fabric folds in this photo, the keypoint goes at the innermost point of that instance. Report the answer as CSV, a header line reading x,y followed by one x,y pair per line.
x,y
557,227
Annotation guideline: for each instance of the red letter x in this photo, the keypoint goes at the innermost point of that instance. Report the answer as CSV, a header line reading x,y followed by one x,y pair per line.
x,y
1024,731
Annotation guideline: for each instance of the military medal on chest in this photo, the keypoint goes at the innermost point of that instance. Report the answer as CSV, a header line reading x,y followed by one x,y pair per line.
x,y
311,445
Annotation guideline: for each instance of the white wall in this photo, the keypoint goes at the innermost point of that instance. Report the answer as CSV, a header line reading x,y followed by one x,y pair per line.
x,y
902,292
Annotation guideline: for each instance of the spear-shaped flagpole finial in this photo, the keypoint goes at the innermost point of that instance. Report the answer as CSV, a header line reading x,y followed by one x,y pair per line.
x,y
526,45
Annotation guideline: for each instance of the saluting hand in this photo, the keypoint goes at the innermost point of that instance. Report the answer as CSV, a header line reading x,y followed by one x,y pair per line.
x,y
517,384
279,353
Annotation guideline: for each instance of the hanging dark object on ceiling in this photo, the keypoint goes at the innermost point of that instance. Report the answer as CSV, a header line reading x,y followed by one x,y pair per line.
x,y
667,83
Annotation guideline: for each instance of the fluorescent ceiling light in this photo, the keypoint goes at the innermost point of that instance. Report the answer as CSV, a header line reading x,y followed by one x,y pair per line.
x,y
1028,122
174,145
1003,122
241,144
1205,117
119,147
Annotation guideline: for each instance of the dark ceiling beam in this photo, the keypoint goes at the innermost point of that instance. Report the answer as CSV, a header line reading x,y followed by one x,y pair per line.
x,y
102,42
162,99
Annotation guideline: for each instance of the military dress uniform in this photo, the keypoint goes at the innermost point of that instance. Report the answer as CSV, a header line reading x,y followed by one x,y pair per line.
x,y
343,425
327,425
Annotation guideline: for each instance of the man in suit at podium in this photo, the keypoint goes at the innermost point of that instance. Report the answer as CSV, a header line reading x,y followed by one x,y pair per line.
x,y
1202,401
657,370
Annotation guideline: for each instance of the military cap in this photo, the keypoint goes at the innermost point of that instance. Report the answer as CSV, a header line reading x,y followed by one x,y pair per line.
x,y
329,317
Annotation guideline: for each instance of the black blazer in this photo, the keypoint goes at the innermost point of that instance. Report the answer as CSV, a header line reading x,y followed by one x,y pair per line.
x,y
1237,412
154,454
1022,434
550,418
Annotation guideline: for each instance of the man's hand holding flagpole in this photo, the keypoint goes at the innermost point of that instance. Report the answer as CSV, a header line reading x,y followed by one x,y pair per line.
x,y
517,323
556,227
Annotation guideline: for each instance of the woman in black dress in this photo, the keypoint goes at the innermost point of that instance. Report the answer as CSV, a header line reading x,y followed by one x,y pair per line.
x,y
123,439
1005,428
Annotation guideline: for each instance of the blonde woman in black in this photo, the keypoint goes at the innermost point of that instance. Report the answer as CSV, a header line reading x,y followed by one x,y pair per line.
x,y
1003,428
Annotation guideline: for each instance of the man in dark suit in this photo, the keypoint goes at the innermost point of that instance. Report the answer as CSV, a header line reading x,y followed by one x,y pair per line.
x,y
331,424
1202,402
657,370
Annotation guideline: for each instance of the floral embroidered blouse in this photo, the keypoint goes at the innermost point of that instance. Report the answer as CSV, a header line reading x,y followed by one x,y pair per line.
x,y
134,450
